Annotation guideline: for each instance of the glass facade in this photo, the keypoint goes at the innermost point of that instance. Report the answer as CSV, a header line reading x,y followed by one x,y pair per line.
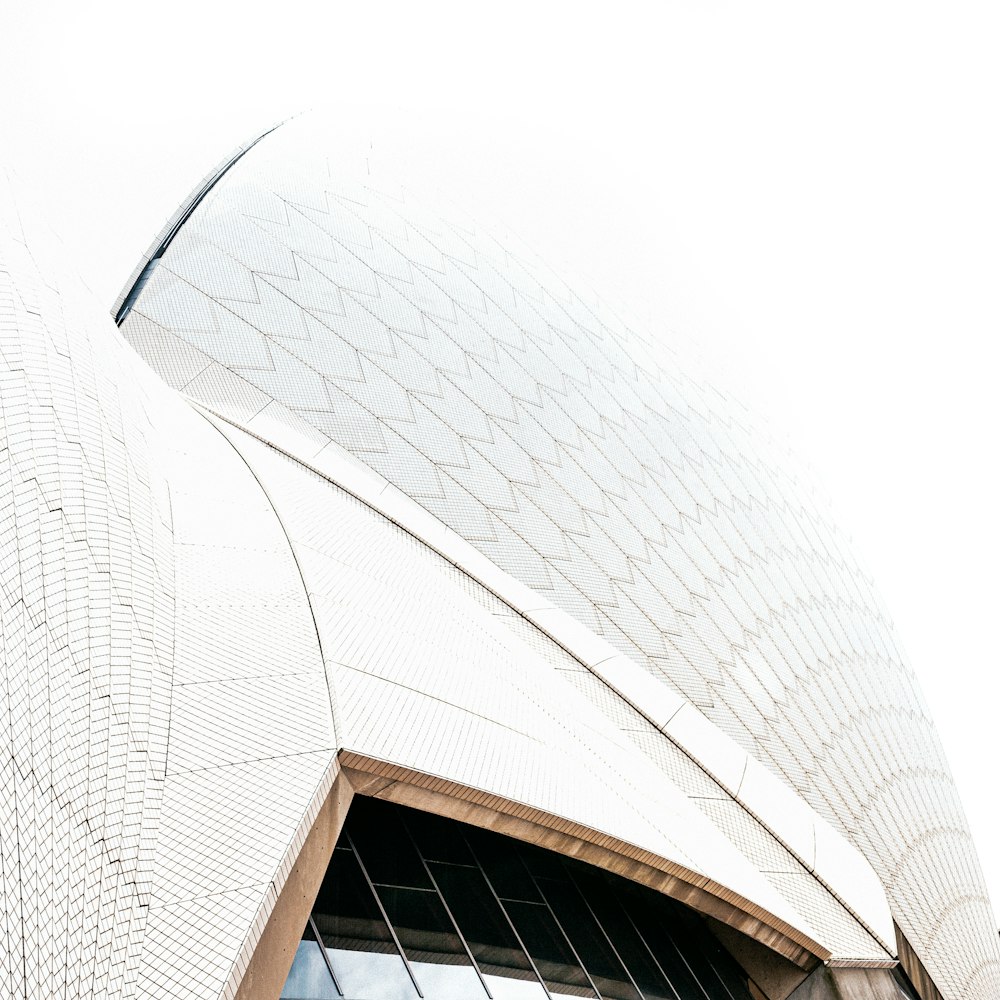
x,y
416,906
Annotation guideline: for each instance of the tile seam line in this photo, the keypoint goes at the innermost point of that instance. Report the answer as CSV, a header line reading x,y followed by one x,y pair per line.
x,y
334,720
591,668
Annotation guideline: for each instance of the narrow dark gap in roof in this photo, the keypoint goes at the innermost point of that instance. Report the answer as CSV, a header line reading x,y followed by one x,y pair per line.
x,y
147,271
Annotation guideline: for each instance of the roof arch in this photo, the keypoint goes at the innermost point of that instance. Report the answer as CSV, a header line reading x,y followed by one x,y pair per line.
x,y
333,314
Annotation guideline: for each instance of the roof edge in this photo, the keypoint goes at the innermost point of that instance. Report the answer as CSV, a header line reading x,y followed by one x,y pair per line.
x,y
147,264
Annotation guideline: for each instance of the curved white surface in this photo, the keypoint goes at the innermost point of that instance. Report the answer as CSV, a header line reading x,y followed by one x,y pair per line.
x,y
181,605
167,727
597,597
252,741
86,630
427,678
587,465
839,867
216,596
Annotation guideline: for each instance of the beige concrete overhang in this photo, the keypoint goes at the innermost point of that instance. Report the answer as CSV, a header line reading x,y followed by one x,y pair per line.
x,y
451,799
269,949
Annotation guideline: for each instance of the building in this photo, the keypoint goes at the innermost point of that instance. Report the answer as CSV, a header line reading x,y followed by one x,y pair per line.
x,y
391,592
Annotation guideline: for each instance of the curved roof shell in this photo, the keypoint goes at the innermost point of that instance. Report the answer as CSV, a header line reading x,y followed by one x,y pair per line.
x,y
352,322
203,635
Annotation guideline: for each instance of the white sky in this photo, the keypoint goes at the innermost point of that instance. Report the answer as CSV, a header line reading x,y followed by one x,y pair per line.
x,y
810,190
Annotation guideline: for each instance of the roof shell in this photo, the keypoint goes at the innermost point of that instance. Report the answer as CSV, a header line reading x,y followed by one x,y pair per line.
x,y
593,465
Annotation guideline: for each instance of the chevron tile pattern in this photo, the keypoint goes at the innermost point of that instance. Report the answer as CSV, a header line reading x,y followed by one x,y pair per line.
x,y
394,492
591,463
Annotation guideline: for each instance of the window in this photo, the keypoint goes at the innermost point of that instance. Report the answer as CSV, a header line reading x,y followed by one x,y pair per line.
x,y
413,906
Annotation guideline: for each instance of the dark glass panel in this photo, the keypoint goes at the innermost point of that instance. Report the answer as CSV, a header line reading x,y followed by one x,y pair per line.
x,y
588,940
487,932
384,846
608,909
708,961
652,922
729,983
483,924
549,949
502,865
584,931
439,839
435,952
345,910
542,864
359,944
